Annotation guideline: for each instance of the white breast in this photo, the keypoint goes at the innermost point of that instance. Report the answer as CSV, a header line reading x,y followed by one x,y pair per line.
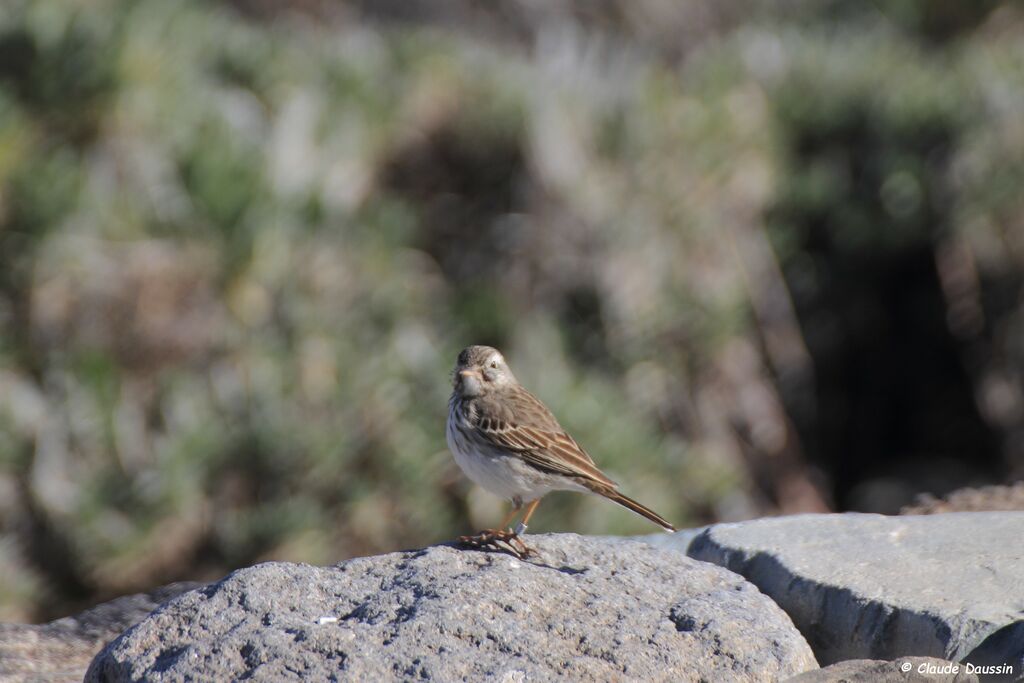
x,y
505,475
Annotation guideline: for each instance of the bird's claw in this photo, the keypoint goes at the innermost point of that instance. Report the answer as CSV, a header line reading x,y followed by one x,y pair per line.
x,y
494,538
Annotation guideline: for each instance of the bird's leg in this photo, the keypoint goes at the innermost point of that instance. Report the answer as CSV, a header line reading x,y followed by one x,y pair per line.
x,y
514,541
489,537
516,507
493,538
521,527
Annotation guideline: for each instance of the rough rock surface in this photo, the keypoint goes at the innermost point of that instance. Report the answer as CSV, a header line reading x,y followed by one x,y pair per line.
x,y
906,670
585,609
61,650
862,586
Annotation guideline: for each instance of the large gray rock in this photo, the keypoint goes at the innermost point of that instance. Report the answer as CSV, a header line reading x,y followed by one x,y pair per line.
x,y
61,650
585,609
864,586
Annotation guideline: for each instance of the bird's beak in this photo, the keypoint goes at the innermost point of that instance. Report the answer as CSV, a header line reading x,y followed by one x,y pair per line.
x,y
470,383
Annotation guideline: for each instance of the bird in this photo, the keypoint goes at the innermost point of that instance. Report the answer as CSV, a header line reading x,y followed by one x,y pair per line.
x,y
508,442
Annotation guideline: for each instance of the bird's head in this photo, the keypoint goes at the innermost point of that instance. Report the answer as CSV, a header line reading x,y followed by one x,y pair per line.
x,y
480,370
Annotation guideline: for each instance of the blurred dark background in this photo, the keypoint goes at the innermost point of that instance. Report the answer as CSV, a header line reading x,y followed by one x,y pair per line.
x,y
759,257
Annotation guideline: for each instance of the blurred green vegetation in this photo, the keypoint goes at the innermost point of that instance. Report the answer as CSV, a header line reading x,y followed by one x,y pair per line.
x,y
240,248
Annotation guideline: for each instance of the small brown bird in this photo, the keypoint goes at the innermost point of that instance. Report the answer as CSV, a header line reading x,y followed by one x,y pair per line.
x,y
509,443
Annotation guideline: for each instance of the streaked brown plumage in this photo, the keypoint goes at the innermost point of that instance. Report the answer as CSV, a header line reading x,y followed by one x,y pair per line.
x,y
509,443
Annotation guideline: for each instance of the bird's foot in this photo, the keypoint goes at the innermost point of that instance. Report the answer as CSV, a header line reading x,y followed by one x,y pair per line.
x,y
498,539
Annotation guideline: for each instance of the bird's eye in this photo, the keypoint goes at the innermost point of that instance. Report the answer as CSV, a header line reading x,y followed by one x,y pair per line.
x,y
494,364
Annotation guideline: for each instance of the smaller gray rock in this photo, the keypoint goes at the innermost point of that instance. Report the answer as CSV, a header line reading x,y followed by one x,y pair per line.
x,y
906,670
585,609
862,586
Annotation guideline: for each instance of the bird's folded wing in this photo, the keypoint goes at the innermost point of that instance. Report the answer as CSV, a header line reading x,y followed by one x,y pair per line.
x,y
554,452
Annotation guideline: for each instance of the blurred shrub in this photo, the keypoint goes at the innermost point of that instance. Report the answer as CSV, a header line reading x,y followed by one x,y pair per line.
x,y
238,255
876,254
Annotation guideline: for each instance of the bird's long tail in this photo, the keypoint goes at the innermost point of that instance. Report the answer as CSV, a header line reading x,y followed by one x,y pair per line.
x,y
639,508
